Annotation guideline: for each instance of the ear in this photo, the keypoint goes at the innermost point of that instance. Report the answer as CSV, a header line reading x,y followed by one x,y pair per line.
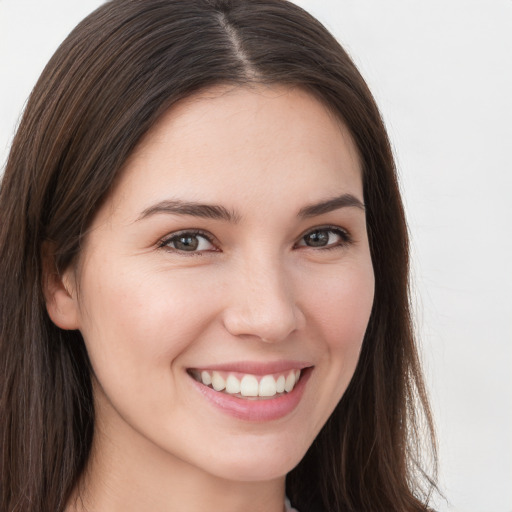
x,y
59,292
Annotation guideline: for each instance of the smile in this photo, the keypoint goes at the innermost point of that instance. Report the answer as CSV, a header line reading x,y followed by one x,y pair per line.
x,y
253,392
248,385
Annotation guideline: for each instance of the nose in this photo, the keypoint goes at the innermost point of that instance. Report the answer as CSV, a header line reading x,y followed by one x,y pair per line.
x,y
262,302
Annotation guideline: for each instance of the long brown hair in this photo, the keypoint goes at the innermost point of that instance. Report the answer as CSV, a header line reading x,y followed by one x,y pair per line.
x,y
104,88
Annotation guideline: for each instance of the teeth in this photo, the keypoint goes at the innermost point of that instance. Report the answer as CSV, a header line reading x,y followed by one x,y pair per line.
x,y
218,381
249,386
280,383
267,386
232,385
206,378
290,382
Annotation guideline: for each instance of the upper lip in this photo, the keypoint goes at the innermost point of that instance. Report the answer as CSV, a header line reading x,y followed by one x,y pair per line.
x,y
255,368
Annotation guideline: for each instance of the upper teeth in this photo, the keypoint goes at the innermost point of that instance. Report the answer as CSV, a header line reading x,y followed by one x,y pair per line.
x,y
247,384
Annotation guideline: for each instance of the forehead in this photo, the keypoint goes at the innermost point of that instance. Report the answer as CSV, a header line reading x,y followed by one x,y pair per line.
x,y
232,143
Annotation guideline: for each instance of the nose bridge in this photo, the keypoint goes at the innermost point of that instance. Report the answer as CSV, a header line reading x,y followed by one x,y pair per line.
x,y
262,299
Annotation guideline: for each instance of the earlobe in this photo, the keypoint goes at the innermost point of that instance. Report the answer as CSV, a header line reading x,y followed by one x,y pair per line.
x,y
60,295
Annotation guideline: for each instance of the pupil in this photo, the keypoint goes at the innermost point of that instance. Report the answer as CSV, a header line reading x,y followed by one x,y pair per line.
x,y
317,239
187,243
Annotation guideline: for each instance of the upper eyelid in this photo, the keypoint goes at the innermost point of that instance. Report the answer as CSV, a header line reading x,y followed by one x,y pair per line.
x,y
195,232
327,227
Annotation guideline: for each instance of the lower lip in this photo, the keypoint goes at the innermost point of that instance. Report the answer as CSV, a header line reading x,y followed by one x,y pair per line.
x,y
256,410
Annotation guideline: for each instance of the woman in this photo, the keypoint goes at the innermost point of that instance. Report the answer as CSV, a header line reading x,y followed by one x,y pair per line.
x,y
204,274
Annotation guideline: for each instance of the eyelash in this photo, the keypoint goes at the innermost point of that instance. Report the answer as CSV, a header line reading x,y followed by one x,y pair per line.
x,y
345,240
164,244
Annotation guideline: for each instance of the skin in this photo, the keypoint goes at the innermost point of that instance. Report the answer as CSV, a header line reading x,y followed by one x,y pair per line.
x,y
257,292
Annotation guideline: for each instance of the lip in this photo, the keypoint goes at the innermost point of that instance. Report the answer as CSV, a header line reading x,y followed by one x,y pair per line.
x,y
254,368
256,410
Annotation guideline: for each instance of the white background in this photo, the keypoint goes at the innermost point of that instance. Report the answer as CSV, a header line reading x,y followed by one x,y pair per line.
x,y
441,72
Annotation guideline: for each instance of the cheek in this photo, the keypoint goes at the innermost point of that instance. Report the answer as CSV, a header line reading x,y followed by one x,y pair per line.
x,y
342,304
338,305
135,321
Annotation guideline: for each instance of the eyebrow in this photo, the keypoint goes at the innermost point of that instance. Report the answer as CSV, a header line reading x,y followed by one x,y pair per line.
x,y
217,212
335,203
206,211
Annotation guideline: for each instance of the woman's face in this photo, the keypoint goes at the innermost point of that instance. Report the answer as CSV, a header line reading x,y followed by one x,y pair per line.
x,y
234,250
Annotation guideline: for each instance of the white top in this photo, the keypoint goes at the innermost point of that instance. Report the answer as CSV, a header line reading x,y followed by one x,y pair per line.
x,y
288,507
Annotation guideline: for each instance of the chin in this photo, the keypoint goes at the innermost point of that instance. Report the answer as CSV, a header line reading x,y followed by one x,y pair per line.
x,y
262,463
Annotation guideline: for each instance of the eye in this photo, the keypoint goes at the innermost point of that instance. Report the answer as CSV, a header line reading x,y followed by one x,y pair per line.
x,y
188,241
325,238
